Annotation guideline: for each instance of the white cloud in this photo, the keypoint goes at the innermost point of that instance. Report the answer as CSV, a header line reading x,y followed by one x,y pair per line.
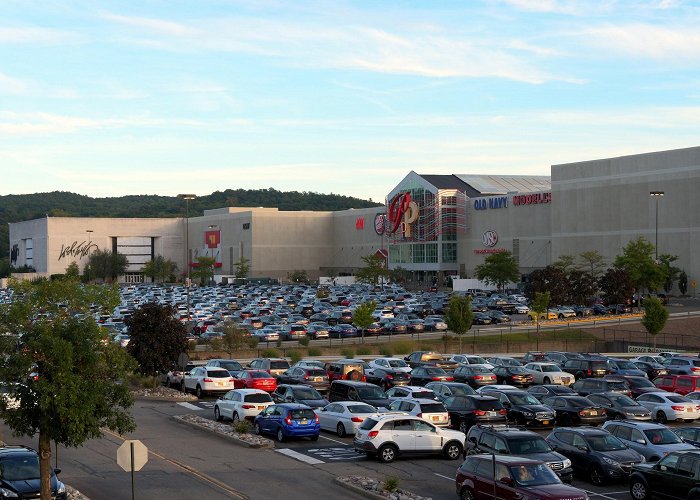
x,y
556,6
37,35
12,86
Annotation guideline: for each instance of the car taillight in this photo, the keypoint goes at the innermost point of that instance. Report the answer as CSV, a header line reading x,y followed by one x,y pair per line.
x,y
288,420
207,380
357,419
479,413
306,377
372,434
478,377
317,420
602,411
503,411
390,377
589,372
678,407
695,369
582,413
248,407
697,407
232,380
449,379
436,378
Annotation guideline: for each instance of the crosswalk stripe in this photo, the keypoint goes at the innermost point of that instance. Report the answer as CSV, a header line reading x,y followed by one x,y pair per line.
x,y
190,406
299,456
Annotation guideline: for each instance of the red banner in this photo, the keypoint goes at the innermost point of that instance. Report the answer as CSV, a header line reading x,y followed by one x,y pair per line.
x,y
212,239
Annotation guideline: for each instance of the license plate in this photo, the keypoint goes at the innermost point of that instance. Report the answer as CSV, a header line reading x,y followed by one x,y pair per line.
x,y
435,418
219,384
688,409
261,407
545,422
594,413
318,379
304,421
492,414
565,380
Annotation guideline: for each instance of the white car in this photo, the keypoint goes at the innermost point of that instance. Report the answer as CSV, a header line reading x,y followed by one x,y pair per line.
x,y
427,409
241,404
208,380
522,309
649,359
563,312
344,417
549,373
471,359
410,392
665,406
396,364
388,436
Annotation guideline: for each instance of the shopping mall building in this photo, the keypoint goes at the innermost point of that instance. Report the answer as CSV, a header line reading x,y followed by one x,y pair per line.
x,y
434,226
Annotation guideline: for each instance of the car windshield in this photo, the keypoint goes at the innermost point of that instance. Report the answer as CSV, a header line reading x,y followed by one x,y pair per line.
x,y
397,363
605,442
361,409
517,369
522,399
661,436
423,395
550,368
460,390
316,373
639,382
257,398
432,408
617,386
678,399
259,375
530,445
19,468
278,365
307,393
476,360
623,400
533,475
435,371
371,393
626,365
231,365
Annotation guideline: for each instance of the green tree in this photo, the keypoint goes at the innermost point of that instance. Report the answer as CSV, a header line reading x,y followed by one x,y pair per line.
x,y
683,283
242,267
498,269
459,316
374,270
666,262
400,275
234,339
298,276
157,338
540,305
160,269
655,316
106,265
637,259
203,269
73,271
79,389
4,267
593,262
616,285
549,279
566,263
362,316
582,286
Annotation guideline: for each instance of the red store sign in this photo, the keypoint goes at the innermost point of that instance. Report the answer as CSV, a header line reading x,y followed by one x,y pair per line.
x,y
532,199
490,250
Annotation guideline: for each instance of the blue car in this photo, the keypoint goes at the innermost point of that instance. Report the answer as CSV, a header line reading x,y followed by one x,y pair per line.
x,y
288,420
625,367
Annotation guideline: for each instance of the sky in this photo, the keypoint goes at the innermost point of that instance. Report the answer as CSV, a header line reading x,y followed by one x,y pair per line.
x,y
109,98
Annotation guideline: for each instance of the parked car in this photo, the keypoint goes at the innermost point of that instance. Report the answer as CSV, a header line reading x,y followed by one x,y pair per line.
x,y
576,410
639,385
204,380
428,409
444,390
388,377
174,377
388,436
600,310
431,359
665,406
624,367
396,364
344,417
595,454
314,377
287,420
469,410
256,379
474,375
620,406
681,384
586,368
524,409
19,474
513,375
542,392
345,369
471,359
481,318
351,390
651,440
499,317
690,435
317,331
652,370
273,366
549,373
503,361
587,386
516,477
543,316
421,375
676,476
241,404
297,393
682,365
503,440
411,391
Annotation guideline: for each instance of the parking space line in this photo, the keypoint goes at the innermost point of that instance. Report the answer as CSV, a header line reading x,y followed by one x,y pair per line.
x,y
190,406
602,495
299,456
448,478
334,440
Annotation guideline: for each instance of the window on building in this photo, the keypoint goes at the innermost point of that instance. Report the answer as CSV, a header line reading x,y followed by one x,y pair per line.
x,y
400,254
419,254
431,253
449,253
449,200
246,225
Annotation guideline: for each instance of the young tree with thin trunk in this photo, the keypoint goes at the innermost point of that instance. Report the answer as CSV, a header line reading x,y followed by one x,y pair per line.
x,y
655,316
362,316
540,305
459,316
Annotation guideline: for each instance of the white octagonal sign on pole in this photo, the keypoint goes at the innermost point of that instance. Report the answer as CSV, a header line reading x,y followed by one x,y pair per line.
x,y
124,454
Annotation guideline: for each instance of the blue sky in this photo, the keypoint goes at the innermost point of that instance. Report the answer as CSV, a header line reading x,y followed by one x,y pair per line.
x,y
163,97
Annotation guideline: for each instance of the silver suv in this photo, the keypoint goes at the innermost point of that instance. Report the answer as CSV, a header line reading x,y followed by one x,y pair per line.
x,y
387,436
682,365
651,440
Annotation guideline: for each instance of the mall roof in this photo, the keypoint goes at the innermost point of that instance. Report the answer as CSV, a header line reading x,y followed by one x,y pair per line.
x,y
484,185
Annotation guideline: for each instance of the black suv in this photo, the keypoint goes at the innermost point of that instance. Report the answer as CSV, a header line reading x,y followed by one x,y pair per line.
x,y
524,408
586,368
503,440
586,387
351,390
677,475
19,474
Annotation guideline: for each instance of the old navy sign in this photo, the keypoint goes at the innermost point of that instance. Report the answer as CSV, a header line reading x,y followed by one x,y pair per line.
x,y
484,203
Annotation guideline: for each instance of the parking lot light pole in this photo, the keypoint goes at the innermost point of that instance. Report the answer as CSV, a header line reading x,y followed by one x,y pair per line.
x,y
656,195
187,198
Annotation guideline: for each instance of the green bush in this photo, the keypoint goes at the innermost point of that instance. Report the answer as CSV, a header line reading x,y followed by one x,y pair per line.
x,y
242,426
403,347
270,353
144,381
294,356
279,342
363,351
314,351
304,341
386,351
253,342
347,352
390,484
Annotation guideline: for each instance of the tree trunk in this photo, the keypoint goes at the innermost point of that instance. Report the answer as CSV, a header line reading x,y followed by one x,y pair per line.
x,y
45,465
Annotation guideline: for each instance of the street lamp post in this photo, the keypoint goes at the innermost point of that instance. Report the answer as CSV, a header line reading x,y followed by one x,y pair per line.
x,y
656,195
89,232
187,198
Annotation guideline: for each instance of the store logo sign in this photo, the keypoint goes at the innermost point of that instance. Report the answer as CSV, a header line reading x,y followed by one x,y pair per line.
x,y
402,213
489,238
497,202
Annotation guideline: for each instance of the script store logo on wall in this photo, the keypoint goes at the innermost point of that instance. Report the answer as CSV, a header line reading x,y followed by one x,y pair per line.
x,y
489,238
402,213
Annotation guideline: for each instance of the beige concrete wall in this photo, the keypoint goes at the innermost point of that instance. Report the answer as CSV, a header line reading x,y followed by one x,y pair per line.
x,y
350,242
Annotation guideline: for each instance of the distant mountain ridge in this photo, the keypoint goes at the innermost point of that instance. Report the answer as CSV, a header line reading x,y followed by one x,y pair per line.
x,y
16,208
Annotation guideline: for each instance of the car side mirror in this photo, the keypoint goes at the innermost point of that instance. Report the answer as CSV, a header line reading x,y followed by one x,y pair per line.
x,y
502,451
323,409
583,448
472,439
640,441
506,480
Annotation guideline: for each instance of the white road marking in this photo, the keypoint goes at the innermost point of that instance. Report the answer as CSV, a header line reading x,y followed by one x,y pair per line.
x,y
334,440
593,493
299,456
448,478
190,406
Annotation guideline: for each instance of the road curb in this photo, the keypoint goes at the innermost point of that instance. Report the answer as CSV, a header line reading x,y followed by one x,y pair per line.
x,y
360,491
162,398
268,445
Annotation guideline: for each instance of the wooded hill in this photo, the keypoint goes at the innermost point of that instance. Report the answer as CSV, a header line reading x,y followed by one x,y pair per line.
x,y
16,208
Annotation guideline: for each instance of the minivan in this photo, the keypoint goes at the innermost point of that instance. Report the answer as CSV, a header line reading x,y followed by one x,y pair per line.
x,y
351,390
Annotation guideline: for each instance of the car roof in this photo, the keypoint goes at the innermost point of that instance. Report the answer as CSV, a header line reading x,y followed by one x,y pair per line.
x,y
506,431
13,450
506,459
249,391
353,382
640,425
422,401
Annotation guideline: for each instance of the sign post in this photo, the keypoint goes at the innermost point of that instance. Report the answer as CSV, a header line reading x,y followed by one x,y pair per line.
x,y
132,455
182,361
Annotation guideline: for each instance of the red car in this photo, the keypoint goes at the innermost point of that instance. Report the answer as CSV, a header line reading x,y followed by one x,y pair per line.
x,y
516,477
257,379
681,384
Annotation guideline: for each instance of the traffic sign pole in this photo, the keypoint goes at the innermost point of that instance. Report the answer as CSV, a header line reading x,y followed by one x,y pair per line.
x,y
132,469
